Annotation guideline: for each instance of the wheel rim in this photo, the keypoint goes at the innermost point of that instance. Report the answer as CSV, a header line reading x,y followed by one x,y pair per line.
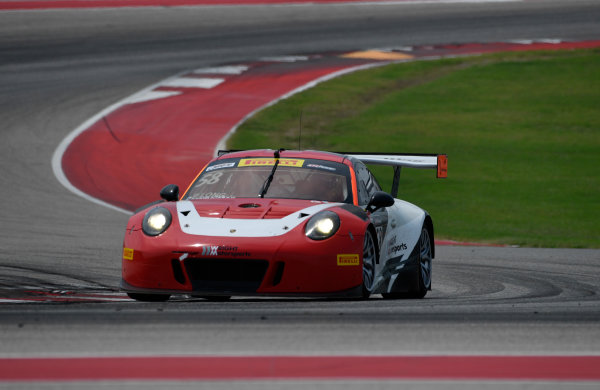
x,y
369,256
425,259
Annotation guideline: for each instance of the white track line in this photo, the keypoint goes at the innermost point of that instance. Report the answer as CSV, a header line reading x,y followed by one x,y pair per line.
x,y
151,95
192,82
284,59
226,69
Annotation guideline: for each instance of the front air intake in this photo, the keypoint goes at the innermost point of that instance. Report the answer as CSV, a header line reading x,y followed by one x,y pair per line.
x,y
225,275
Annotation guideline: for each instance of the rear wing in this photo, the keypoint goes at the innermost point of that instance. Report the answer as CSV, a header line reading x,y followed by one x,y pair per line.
x,y
439,162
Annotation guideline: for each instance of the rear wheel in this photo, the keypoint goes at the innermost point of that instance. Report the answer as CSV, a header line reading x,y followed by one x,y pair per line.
x,y
421,278
369,260
424,264
149,297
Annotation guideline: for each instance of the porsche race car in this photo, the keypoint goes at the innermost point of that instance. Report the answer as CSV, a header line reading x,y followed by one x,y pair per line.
x,y
283,223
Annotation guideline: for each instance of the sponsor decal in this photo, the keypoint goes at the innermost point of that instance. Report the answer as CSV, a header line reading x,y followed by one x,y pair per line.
x,y
380,234
213,195
262,162
223,250
318,166
220,166
394,249
127,253
348,259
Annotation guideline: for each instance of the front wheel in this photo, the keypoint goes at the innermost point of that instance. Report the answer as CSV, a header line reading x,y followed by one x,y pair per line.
x,y
369,260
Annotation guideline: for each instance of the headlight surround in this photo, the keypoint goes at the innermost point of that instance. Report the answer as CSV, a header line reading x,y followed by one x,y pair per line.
x,y
156,221
322,225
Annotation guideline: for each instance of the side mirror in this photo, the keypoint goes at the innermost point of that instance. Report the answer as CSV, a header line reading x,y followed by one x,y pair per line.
x,y
378,200
170,193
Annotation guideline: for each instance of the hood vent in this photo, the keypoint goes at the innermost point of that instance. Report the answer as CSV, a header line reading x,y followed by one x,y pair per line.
x,y
249,206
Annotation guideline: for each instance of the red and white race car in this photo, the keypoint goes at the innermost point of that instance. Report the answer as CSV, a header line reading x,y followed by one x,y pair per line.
x,y
283,223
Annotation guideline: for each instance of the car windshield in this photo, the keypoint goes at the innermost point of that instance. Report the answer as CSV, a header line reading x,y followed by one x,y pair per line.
x,y
294,179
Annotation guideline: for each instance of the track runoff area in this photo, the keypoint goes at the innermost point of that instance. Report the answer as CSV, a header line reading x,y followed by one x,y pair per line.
x,y
219,98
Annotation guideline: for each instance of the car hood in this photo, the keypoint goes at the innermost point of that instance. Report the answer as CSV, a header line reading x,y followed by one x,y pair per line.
x,y
245,217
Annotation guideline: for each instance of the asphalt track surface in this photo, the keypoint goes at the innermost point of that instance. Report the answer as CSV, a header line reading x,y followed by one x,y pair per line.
x,y
60,67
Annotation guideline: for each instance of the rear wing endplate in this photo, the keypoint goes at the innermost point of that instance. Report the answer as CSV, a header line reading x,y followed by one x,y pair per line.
x,y
439,162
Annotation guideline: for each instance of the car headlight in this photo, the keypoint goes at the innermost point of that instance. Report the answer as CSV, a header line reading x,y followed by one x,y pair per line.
x,y
322,225
156,221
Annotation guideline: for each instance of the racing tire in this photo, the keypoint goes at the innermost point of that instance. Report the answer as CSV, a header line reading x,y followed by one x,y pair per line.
x,y
425,267
369,261
423,270
149,297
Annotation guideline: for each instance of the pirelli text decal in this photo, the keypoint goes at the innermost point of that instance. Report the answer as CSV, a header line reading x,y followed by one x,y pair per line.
x,y
127,253
348,259
261,162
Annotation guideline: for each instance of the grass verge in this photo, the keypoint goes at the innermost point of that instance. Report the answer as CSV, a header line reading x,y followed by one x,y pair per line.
x,y
522,132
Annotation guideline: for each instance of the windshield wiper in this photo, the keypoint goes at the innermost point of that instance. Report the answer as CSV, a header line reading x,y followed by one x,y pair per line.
x,y
267,183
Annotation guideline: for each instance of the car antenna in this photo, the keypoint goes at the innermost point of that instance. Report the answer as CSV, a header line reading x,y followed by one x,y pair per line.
x,y
300,132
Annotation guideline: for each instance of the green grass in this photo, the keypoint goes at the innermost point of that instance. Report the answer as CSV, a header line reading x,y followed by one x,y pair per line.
x,y
522,132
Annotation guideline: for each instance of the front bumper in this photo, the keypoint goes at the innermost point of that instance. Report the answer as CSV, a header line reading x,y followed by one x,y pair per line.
x,y
292,264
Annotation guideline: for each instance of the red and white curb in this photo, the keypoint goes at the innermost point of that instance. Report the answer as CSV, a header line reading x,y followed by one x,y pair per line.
x,y
189,368
123,155
163,134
